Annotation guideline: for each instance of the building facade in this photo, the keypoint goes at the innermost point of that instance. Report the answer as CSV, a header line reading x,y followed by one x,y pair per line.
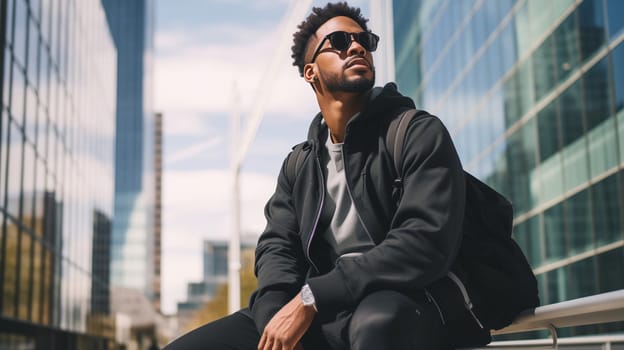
x,y
133,253
57,129
532,93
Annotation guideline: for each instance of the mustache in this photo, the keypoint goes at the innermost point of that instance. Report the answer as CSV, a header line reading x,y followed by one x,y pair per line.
x,y
357,57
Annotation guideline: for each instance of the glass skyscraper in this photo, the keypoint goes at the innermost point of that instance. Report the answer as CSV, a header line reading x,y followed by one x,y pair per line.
x,y
133,241
57,129
532,92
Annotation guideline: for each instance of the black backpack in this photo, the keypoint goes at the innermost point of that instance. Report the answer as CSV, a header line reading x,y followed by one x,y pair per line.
x,y
491,266
490,276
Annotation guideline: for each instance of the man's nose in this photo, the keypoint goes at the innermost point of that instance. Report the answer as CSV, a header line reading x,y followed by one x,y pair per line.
x,y
355,48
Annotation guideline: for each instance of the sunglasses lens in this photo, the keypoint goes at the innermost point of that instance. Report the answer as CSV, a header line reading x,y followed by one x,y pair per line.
x,y
368,40
340,40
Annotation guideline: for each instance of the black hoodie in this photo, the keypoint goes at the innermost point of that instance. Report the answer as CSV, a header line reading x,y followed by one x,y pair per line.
x,y
416,239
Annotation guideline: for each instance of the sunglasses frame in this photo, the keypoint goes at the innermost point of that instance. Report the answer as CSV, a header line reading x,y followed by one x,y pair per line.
x,y
352,37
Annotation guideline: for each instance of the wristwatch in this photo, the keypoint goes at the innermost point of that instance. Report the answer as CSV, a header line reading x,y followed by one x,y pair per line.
x,y
307,297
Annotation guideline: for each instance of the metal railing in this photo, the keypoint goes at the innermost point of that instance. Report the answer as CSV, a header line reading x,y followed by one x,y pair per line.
x,y
595,309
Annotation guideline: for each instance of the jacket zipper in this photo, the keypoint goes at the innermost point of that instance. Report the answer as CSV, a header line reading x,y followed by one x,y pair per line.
x,y
357,211
464,292
432,300
318,215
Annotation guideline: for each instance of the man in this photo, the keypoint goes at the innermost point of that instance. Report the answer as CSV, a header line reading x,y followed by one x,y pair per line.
x,y
345,263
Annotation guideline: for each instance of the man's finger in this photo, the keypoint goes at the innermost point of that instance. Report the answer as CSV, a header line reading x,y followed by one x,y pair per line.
x,y
262,342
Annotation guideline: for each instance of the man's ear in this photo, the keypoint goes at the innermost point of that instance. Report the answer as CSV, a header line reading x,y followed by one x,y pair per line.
x,y
309,74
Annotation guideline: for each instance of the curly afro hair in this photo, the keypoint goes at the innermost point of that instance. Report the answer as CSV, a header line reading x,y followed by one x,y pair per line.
x,y
311,24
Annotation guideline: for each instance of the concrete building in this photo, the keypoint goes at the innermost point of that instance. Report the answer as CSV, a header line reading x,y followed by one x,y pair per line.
x,y
533,94
57,134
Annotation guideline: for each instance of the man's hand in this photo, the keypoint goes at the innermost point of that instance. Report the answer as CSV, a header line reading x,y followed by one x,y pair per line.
x,y
287,327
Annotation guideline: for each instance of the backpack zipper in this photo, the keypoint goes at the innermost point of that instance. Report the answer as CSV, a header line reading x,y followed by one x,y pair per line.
x,y
464,292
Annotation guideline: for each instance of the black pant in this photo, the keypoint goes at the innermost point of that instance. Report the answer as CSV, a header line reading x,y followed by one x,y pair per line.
x,y
382,320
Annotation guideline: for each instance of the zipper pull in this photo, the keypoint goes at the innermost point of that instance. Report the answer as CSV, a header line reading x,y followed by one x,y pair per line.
x,y
469,307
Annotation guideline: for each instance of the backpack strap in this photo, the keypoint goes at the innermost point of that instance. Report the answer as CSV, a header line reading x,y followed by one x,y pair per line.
x,y
295,159
396,138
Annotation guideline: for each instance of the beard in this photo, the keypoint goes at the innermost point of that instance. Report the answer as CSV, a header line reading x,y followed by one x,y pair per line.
x,y
339,83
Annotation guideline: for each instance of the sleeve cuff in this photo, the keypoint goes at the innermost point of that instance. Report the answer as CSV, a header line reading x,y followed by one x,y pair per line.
x,y
330,292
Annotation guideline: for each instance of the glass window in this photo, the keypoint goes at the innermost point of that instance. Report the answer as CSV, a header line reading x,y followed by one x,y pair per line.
x,y
6,84
556,286
566,46
544,68
579,222
24,276
585,286
528,235
607,210
30,114
521,159
550,175
602,148
575,164
591,27
43,75
28,182
9,22
548,131
21,25
42,133
508,44
14,171
39,198
46,305
601,127
554,233
597,94
540,18
615,9
610,270
518,93
4,141
18,90
37,267
33,54
617,61
478,25
10,280
571,114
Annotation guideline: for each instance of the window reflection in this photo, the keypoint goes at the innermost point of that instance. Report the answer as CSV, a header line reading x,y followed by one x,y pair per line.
x,y
554,233
579,223
11,258
607,210
611,270
566,45
591,27
544,68
615,8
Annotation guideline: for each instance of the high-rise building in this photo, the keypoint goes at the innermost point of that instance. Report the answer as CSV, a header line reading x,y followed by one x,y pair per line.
x,y
532,92
132,261
57,130
158,167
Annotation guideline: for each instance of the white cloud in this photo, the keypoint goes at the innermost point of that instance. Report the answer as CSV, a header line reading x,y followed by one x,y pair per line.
x,y
194,150
201,76
196,206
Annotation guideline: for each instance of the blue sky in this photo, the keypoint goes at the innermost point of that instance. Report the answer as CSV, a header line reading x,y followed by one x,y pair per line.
x,y
204,48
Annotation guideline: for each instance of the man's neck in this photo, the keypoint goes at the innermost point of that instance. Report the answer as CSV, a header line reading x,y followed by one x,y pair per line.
x,y
338,110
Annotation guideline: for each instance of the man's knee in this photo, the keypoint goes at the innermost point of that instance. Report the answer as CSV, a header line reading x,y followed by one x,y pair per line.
x,y
393,320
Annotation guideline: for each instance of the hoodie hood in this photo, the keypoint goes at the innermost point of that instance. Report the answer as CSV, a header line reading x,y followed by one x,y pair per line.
x,y
382,100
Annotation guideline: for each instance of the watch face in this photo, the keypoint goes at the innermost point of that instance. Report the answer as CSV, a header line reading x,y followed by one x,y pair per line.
x,y
307,296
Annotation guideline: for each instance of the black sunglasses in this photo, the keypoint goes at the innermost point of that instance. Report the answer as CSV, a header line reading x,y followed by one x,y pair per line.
x,y
341,41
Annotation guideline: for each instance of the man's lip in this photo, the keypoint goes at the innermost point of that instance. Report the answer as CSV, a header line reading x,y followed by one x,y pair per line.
x,y
358,61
